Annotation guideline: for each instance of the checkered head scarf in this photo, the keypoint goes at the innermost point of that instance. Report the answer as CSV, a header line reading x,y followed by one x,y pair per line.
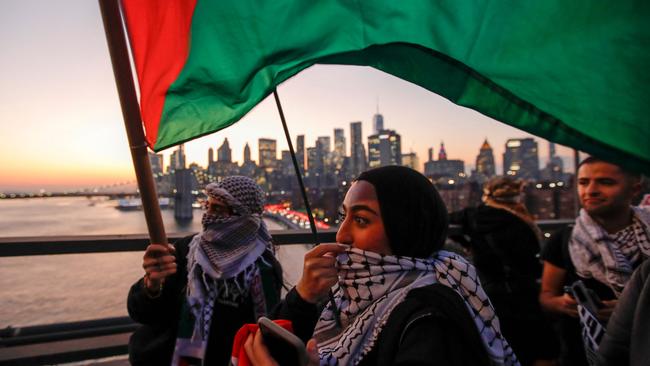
x,y
610,258
222,258
371,285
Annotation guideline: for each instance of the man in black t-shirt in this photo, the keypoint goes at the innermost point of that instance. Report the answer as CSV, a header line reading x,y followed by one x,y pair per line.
x,y
558,273
607,221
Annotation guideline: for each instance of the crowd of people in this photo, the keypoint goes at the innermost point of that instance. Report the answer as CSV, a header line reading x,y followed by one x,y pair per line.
x,y
388,293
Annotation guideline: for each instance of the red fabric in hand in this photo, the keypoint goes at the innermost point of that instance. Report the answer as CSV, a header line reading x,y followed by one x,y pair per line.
x,y
238,356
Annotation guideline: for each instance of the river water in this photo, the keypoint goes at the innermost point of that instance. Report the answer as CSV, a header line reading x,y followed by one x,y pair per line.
x,y
38,290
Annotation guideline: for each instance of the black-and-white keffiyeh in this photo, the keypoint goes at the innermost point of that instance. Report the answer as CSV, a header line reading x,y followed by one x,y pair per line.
x,y
371,285
221,262
610,259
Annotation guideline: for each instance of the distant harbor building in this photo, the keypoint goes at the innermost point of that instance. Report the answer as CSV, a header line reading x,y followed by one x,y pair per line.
x,y
357,150
411,160
485,167
267,149
384,148
451,170
520,159
156,163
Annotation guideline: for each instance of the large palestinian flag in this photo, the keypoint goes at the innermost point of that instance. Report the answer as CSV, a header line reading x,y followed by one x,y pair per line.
x,y
574,72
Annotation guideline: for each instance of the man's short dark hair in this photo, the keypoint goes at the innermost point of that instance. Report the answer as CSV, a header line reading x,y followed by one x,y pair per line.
x,y
593,159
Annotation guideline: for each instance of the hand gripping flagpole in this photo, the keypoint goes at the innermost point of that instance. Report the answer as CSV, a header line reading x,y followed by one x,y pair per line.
x,y
312,222
116,40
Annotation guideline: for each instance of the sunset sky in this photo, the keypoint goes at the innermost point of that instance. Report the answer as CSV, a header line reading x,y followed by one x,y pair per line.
x,y
62,128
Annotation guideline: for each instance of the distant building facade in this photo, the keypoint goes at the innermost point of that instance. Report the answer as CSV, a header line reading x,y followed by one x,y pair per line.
x,y
411,160
267,150
520,159
554,170
156,161
384,148
485,167
444,169
300,152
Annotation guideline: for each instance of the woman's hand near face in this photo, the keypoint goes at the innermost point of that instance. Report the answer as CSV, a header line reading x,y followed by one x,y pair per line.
x,y
158,262
319,272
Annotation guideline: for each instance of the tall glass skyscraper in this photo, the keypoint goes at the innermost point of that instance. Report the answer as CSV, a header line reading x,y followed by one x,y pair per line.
x,y
357,151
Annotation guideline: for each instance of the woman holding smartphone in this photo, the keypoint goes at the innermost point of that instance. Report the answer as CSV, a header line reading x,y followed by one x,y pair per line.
x,y
401,299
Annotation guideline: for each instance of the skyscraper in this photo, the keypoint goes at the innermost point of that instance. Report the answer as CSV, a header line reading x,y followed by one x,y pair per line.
x,y
248,167
156,162
554,169
267,153
313,167
338,155
485,161
324,150
286,164
177,159
520,159
357,151
210,156
300,152
384,148
442,153
247,153
377,122
224,153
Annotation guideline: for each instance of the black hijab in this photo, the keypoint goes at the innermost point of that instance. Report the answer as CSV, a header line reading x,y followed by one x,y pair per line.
x,y
414,215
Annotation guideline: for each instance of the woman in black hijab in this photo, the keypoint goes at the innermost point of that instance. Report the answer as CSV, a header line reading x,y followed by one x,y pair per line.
x,y
400,298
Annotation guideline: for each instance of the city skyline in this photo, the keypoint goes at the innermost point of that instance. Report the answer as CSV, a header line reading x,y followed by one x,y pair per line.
x,y
62,124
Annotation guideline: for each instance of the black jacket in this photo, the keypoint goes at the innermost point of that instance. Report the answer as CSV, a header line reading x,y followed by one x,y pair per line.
x,y
505,248
432,324
153,343
505,251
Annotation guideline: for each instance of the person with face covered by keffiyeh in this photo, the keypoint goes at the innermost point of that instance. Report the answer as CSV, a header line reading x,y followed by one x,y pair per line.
x,y
196,294
399,298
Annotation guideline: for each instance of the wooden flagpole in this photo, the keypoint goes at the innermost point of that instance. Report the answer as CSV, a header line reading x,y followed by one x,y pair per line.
x,y
116,39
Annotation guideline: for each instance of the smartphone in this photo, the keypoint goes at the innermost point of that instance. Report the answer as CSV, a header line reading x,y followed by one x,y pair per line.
x,y
285,347
586,297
